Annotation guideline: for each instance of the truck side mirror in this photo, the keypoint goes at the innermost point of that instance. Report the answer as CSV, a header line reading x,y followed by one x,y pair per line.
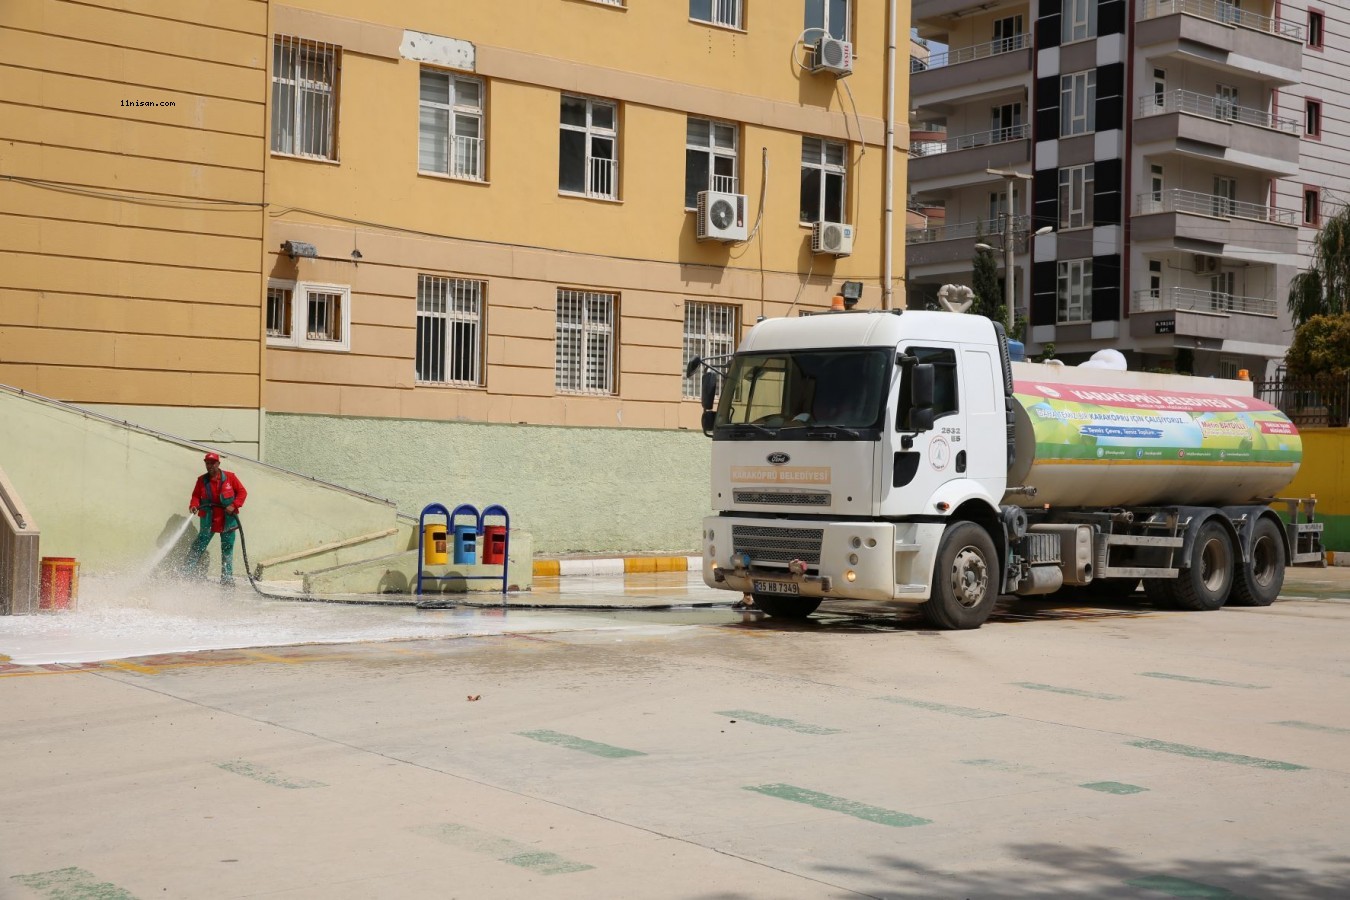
x,y
709,389
921,386
709,416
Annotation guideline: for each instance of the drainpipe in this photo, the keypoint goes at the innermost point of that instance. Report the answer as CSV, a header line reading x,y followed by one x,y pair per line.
x,y
887,283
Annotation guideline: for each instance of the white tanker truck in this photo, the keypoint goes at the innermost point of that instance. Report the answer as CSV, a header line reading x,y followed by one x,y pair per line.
x,y
902,457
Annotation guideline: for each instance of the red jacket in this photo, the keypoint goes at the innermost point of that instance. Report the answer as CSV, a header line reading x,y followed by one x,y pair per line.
x,y
216,496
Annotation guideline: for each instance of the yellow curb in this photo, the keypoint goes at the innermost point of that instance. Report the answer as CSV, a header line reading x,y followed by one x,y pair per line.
x,y
644,564
544,567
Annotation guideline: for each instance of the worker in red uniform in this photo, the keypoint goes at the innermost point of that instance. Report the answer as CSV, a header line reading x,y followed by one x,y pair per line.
x,y
216,498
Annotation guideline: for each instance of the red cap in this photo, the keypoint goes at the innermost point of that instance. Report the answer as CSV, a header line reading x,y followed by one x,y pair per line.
x,y
213,457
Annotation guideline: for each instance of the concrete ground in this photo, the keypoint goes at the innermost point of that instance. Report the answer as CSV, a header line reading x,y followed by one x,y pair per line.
x,y
1096,751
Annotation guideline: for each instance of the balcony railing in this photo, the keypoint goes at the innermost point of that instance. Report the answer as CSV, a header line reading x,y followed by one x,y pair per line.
x,y
725,184
1195,203
969,54
1194,300
968,141
965,230
467,158
1213,108
602,178
1219,11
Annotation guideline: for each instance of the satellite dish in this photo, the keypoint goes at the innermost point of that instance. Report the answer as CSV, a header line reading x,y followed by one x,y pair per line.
x,y
955,298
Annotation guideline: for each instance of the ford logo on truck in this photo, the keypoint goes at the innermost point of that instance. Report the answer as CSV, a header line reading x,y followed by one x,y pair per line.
x,y
778,459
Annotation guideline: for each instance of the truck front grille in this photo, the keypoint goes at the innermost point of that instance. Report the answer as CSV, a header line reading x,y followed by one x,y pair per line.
x,y
778,545
783,497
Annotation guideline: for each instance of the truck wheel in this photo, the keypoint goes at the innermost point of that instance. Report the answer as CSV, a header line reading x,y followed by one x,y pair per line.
x,y
1258,581
786,607
1205,585
965,579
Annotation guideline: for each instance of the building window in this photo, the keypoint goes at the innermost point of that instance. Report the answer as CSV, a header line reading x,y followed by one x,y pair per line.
x,y
829,17
1074,292
586,353
710,329
1312,118
310,316
279,315
1316,28
1312,206
717,12
588,148
709,159
1075,196
450,137
449,330
1080,20
304,90
824,166
1078,103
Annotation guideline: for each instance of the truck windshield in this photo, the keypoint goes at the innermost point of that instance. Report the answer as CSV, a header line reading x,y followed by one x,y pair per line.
x,y
828,394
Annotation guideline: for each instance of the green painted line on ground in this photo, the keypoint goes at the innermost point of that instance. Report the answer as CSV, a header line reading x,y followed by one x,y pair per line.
x,y
72,884
1114,787
1001,765
1313,726
943,708
1215,681
1073,692
572,742
761,719
1217,756
267,776
1180,887
513,853
839,804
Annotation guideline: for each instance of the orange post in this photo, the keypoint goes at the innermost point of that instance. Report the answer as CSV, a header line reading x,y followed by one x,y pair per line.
x,y
58,584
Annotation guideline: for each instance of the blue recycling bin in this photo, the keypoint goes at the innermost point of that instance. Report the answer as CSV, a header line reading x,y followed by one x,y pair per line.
x,y
466,545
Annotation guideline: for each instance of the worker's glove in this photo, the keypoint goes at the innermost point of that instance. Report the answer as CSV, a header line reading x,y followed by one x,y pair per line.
x,y
192,510
230,509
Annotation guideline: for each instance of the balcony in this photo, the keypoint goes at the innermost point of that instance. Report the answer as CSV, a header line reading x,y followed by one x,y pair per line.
x,y
1249,231
1268,47
967,74
944,245
960,161
1193,300
1240,135
1223,322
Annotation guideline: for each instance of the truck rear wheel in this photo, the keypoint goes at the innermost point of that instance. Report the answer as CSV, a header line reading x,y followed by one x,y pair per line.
x,y
786,607
965,579
1258,581
1206,583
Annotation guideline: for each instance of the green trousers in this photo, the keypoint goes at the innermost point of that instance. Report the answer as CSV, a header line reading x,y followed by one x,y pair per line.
x,y
196,558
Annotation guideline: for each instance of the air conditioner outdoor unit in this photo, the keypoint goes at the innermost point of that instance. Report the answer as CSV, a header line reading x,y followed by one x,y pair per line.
x,y
832,237
1206,265
721,217
831,55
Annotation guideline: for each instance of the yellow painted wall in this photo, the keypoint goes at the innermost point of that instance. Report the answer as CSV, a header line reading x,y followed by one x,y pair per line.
x,y
1326,460
130,236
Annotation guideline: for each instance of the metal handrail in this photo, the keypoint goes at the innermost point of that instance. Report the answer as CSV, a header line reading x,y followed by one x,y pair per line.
x,y
1195,300
962,230
969,141
1221,12
978,51
1213,108
1196,203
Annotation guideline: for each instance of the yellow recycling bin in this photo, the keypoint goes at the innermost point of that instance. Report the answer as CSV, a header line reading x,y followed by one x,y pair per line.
x,y
435,548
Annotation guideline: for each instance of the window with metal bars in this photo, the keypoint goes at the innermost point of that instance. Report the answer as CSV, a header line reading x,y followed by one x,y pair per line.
x,y
588,148
450,136
304,90
710,329
279,322
709,159
449,330
729,13
310,316
586,350
824,170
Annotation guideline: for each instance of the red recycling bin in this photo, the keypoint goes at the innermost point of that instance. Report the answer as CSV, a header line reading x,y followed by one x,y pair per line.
x,y
59,583
494,545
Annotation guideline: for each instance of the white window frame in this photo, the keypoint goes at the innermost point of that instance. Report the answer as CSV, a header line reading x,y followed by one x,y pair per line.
x,y
824,24
1074,87
1065,302
299,336
819,150
309,106
1079,21
464,155
710,329
587,324
287,339
714,152
594,176
462,303
725,13
1076,206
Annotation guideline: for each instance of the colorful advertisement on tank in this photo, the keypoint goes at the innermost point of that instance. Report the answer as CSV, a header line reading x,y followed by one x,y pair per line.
x,y
1073,422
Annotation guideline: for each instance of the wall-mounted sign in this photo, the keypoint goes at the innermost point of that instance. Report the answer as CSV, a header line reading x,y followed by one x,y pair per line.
x,y
1165,326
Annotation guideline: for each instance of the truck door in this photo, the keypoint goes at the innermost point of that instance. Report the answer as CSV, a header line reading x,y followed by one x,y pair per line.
x,y
986,444
925,460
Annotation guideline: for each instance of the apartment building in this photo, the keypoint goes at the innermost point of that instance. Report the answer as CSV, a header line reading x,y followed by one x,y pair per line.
x,y
442,252
1158,154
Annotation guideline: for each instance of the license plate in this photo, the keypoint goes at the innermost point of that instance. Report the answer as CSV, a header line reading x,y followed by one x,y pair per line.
x,y
776,587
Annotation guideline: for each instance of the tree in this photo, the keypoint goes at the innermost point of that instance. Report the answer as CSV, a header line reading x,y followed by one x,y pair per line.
x,y
1321,347
1324,289
987,285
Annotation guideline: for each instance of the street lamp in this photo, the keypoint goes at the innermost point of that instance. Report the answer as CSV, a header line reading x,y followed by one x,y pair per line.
x,y
1008,264
1010,176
